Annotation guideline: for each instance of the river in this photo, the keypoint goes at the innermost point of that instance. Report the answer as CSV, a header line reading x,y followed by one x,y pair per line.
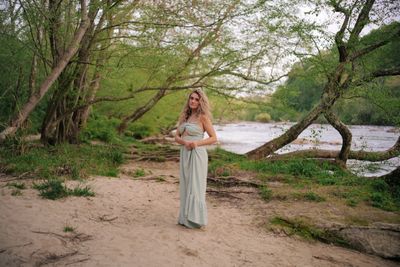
x,y
245,136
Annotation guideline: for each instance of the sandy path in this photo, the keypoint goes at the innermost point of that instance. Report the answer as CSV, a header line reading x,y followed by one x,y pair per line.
x,y
132,222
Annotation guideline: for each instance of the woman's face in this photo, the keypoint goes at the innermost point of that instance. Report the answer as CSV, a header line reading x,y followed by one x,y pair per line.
x,y
194,101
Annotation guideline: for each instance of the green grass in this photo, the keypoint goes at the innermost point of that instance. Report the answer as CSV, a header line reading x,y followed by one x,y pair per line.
x,y
309,196
68,229
310,174
55,189
16,192
16,185
299,227
70,161
265,193
139,173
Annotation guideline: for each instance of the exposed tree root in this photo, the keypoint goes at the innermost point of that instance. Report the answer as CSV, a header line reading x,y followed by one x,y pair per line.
x,y
77,237
16,246
231,181
52,258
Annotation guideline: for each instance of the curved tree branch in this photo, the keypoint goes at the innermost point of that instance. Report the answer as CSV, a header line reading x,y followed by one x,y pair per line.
x,y
373,156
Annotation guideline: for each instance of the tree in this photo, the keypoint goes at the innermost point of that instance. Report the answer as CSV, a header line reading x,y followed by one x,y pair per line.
x,y
59,64
356,15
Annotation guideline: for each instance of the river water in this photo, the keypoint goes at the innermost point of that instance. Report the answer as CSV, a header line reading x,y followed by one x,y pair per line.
x,y
245,136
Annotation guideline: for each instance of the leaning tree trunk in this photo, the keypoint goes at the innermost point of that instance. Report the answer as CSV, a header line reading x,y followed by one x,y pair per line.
x,y
337,81
346,137
289,136
330,95
208,38
141,111
34,99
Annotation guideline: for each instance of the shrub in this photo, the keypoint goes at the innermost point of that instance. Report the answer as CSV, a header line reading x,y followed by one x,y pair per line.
x,y
263,117
138,131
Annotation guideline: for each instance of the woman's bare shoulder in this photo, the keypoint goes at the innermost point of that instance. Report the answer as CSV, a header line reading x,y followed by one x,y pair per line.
x,y
205,119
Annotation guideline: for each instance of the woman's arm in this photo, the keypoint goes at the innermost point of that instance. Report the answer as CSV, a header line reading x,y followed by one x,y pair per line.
x,y
179,140
208,127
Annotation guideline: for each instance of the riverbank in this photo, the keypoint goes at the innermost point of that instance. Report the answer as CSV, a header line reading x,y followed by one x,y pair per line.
x,y
132,220
234,137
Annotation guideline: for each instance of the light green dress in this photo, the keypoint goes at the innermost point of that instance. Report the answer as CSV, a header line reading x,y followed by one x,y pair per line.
x,y
193,178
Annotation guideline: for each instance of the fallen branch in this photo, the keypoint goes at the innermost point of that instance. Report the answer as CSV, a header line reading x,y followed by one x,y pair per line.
x,y
231,181
81,260
228,192
52,258
104,218
16,246
331,154
222,194
72,238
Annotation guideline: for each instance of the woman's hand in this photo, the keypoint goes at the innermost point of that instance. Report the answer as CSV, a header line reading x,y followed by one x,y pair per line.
x,y
188,145
191,145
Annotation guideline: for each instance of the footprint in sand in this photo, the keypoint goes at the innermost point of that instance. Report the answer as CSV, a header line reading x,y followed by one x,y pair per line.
x,y
189,252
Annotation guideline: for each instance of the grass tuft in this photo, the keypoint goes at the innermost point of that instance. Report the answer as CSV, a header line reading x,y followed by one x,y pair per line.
x,y
266,193
68,229
310,174
16,185
300,227
139,173
54,189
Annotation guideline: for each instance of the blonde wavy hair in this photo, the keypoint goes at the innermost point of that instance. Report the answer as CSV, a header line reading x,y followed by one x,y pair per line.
x,y
203,109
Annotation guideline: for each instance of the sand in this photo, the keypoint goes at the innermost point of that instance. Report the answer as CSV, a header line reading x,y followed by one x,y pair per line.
x,y
133,222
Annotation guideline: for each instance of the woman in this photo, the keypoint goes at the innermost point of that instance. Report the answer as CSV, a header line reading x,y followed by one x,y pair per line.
x,y
194,120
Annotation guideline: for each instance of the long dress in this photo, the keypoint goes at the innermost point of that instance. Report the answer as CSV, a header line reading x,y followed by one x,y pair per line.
x,y
193,178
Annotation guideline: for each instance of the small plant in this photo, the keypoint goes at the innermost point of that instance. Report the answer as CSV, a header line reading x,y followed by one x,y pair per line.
x,y
116,156
379,185
81,192
263,117
68,229
16,185
160,179
139,173
112,172
311,196
75,173
351,202
265,193
16,192
55,189
382,201
51,189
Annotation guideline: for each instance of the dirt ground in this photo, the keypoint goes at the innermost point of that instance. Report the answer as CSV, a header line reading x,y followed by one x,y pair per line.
x,y
133,222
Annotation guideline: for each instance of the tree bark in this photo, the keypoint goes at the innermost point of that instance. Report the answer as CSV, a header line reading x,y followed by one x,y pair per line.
x,y
141,111
286,138
71,88
338,81
51,78
346,137
328,98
